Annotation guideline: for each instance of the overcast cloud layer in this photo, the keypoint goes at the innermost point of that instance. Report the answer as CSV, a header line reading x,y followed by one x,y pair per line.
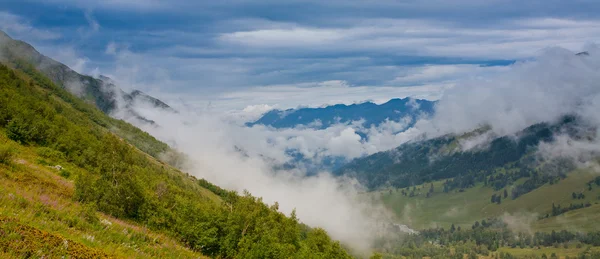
x,y
228,55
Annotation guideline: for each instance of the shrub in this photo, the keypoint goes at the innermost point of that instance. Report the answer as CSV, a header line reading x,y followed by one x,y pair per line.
x,y
64,173
6,154
88,213
50,154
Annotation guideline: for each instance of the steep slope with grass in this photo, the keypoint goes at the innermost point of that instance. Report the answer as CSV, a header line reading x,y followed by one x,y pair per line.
x,y
109,198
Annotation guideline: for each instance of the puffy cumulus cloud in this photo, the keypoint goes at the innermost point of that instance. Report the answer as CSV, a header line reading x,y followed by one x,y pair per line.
x,y
346,144
213,146
249,113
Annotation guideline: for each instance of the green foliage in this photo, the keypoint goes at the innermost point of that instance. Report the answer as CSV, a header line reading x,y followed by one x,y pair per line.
x,y
483,238
118,179
7,154
23,241
88,213
65,173
50,153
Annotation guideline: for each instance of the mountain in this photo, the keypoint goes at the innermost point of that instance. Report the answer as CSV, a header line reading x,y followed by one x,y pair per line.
x,y
452,179
497,193
76,183
102,91
468,158
371,113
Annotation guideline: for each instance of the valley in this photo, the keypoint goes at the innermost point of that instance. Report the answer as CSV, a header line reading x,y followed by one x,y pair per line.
x,y
300,130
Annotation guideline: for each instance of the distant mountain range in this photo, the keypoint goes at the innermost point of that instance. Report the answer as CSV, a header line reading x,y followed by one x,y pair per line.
x,y
102,91
371,113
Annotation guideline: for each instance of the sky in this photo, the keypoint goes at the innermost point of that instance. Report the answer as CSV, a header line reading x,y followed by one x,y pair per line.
x,y
238,54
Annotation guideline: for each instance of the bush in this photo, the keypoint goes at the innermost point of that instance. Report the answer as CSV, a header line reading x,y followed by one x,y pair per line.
x,y
64,173
50,154
88,213
7,154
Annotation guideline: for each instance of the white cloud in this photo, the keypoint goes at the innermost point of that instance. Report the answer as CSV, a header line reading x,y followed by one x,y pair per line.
x,y
113,4
69,56
92,22
20,28
444,73
555,84
284,38
320,200
515,39
92,26
322,93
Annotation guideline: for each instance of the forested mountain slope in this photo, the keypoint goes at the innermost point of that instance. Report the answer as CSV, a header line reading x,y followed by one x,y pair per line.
x,y
105,186
486,196
463,157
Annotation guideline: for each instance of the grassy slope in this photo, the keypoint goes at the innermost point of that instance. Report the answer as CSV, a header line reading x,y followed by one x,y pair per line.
x,y
35,195
562,252
464,208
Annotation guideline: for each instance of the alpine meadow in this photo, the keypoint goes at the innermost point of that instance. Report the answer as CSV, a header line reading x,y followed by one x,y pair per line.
x,y
299,129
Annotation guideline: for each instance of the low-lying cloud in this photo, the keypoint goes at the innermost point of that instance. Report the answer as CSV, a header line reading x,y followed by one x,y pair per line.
x,y
213,146
556,83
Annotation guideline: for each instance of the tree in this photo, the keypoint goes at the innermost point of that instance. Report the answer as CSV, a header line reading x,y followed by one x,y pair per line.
x,y
505,194
574,195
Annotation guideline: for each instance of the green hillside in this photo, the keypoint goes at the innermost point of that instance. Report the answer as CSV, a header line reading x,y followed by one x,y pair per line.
x,y
463,208
445,157
76,182
487,196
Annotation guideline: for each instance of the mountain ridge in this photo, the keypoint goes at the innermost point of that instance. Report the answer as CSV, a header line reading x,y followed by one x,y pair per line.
x,y
411,163
102,91
372,114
